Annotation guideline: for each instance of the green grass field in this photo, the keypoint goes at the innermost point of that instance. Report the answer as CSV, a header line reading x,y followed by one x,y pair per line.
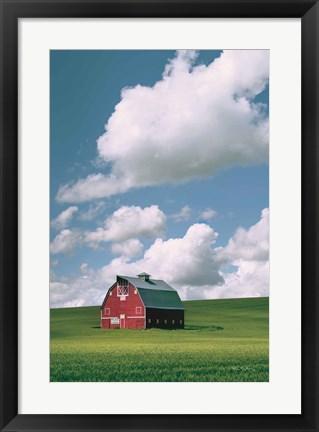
x,y
223,340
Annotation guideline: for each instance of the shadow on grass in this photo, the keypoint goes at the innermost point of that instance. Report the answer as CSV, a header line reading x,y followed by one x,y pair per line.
x,y
188,328
201,327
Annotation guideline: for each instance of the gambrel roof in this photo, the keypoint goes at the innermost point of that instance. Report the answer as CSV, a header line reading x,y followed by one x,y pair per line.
x,y
154,293
152,284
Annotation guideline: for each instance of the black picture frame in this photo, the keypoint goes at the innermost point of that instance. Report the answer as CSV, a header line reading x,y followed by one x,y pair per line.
x,y
11,11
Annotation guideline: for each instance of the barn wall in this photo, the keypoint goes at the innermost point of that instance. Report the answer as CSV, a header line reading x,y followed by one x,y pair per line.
x,y
105,324
127,308
164,318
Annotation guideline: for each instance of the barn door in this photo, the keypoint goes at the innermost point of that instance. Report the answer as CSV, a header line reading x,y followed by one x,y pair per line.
x,y
122,321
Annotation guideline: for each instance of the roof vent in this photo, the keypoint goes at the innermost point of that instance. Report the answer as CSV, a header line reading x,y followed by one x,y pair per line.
x,y
144,276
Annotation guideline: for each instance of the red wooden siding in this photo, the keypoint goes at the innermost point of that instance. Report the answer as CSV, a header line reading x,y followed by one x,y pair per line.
x,y
121,311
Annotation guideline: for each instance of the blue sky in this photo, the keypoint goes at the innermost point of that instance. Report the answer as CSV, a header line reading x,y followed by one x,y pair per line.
x,y
191,110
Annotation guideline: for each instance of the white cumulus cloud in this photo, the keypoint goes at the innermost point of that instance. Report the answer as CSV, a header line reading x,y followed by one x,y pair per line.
x,y
189,259
75,292
248,250
129,222
191,264
65,242
123,229
194,122
129,248
64,218
251,244
250,280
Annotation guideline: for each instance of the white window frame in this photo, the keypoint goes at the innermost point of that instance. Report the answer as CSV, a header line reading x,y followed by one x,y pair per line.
x,y
123,288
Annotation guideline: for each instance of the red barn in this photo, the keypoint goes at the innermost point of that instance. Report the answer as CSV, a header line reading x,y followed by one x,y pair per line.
x,y
141,303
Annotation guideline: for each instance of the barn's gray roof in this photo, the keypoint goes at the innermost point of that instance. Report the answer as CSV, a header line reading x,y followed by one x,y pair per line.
x,y
152,284
154,293
159,299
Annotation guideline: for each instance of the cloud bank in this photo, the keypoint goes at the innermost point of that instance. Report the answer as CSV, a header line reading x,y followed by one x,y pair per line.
x,y
194,122
128,249
191,264
122,228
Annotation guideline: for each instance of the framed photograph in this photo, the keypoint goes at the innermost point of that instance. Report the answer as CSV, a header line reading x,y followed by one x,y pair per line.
x,y
159,216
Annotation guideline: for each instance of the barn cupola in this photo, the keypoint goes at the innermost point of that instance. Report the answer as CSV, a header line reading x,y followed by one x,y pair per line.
x,y
144,276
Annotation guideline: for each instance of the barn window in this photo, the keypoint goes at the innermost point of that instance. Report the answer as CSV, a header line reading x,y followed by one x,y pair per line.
x,y
149,320
181,322
157,321
173,321
165,321
107,311
135,291
111,293
122,288
138,310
